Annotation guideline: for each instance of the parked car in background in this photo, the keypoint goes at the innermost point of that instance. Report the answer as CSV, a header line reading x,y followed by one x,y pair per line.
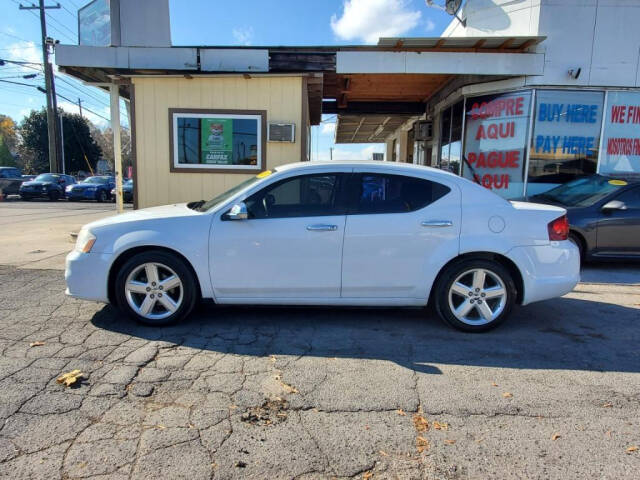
x,y
10,180
46,185
603,212
28,178
92,188
332,233
127,191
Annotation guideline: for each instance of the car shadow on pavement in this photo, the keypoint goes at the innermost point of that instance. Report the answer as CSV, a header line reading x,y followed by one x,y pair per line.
x,y
560,334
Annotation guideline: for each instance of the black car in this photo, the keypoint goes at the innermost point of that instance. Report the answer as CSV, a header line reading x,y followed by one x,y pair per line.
x,y
46,185
10,180
127,191
604,214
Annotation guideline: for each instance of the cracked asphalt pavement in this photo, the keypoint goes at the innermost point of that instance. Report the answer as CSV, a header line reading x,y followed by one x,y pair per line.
x,y
312,393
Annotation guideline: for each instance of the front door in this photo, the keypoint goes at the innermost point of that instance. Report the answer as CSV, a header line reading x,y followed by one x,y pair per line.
x,y
619,230
289,248
398,230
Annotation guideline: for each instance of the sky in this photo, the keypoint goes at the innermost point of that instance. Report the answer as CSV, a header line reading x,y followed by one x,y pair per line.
x,y
211,22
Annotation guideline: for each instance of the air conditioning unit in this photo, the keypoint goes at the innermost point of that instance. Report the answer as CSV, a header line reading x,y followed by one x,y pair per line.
x,y
282,132
423,131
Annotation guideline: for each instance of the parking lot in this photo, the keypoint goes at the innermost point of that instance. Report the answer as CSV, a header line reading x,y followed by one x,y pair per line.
x,y
308,392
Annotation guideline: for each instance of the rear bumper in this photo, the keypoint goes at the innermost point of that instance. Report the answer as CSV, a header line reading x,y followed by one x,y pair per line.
x,y
548,271
87,275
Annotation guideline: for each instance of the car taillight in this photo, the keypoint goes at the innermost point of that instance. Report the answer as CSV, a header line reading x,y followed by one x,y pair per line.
x,y
559,228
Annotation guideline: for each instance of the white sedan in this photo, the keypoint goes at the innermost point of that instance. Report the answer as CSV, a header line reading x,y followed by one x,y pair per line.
x,y
336,233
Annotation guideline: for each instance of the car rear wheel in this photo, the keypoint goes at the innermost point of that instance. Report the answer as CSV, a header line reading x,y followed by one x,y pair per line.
x,y
54,195
155,288
475,295
102,196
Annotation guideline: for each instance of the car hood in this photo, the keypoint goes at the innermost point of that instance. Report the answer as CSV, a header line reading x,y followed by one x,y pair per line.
x,y
81,186
145,214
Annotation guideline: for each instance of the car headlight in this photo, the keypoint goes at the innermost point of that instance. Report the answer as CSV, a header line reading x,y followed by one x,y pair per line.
x,y
68,188
85,241
44,188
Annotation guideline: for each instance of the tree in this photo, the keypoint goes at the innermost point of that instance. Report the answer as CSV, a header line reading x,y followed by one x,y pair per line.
x,y
8,133
104,138
6,158
80,146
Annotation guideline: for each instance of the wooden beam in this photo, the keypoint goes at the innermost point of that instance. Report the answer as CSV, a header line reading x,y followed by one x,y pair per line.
x,y
342,102
527,44
506,43
439,43
479,43
355,132
386,120
399,43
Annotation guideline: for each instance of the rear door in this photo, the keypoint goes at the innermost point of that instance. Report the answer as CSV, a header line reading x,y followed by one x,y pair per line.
x,y
618,231
399,229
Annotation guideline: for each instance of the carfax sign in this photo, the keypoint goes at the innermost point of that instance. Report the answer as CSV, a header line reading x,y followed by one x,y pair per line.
x,y
217,141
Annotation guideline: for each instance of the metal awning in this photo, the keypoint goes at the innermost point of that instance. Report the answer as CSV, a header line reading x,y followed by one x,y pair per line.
x,y
368,128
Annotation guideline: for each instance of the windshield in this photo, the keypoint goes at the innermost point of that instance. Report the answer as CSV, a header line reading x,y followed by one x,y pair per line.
x,y
47,177
583,192
228,194
98,180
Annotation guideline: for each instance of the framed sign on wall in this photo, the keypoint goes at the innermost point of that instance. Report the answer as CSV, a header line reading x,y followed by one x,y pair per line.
x,y
230,141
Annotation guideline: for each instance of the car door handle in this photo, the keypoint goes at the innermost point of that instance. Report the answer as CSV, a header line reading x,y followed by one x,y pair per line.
x,y
437,223
322,228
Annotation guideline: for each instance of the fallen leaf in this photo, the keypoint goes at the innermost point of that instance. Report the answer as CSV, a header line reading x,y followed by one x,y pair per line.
x,y
607,405
632,448
449,442
272,358
555,436
422,444
232,407
608,433
507,395
401,412
160,427
36,344
70,378
494,384
383,453
420,423
440,426
366,427
367,475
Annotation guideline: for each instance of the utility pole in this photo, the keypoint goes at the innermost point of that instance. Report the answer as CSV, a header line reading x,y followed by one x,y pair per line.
x,y
52,127
80,105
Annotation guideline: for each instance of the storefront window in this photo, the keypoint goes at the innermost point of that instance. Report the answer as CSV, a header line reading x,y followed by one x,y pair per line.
x,y
496,133
451,138
217,141
565,140
621,143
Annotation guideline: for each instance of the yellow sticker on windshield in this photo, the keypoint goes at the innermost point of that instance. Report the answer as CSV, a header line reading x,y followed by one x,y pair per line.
x,y
618,182
264,174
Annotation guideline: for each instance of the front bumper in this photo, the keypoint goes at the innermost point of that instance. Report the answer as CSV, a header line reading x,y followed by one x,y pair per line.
x,y
87,275
548,271
82,195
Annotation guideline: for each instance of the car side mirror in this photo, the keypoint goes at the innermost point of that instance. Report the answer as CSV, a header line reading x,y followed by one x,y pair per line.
x,y
237,212
614,205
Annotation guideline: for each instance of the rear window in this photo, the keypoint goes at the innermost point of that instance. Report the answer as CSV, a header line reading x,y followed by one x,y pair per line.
x,y
379,193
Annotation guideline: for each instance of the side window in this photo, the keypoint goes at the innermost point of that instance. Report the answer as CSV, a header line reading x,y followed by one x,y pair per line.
x,y
631,198
375,193
303,196
15,173
4,174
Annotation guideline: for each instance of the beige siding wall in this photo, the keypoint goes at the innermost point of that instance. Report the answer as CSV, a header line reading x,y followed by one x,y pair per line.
x,y
281,97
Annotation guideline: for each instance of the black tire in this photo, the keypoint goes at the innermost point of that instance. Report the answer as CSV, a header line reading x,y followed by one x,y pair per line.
x,y
54,195
189,286
23,198
101,196
578,242
453,272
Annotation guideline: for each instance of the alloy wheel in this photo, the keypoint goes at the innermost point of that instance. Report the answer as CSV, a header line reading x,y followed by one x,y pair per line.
x,y
154,291
477,296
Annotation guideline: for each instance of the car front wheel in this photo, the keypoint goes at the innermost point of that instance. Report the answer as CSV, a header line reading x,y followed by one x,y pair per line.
x,y
102,196
155,288
475,295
